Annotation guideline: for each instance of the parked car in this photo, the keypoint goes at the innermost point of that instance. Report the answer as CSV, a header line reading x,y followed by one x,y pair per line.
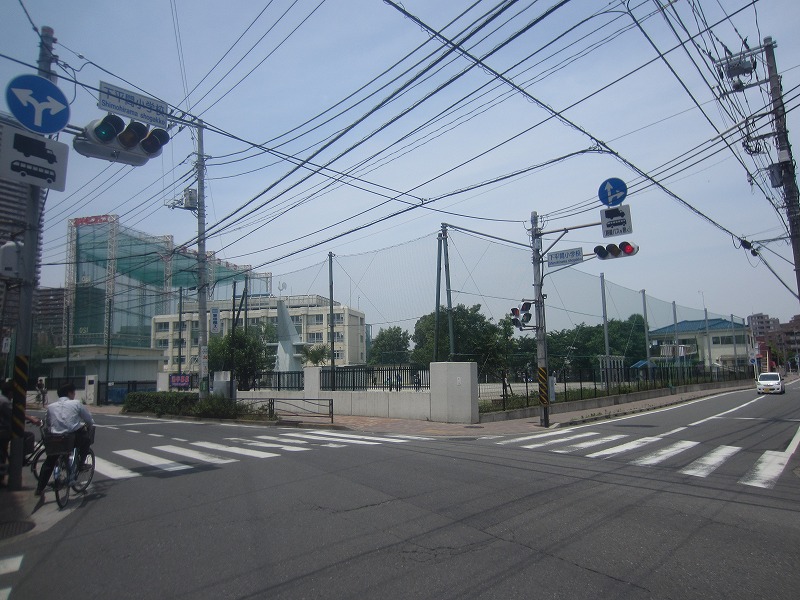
x,y
770,383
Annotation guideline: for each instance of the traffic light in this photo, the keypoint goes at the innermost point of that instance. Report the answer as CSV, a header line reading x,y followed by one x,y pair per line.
x,y
614,251
520,317
108,138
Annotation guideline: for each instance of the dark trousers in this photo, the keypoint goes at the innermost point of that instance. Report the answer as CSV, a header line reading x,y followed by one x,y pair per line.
x,y
82,441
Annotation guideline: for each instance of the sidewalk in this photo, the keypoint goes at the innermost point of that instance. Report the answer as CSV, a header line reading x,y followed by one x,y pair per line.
x,y
21,511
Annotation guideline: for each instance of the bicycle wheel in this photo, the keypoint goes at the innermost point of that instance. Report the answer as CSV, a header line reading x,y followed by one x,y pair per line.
x,y
85,473
38,458
61,480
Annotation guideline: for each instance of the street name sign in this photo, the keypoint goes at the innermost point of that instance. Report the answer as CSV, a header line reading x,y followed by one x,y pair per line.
x,y
616,221
37,104
30,158
565,257
612,191
132,105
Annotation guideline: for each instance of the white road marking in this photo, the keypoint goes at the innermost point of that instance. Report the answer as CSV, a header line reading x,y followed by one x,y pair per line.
x,y
267,445
274,438
309,436
111,470
624,447
770,466
151,460
10,564
235,450
535,436
196,454
350,436
664,454
569,438
589,444
705,465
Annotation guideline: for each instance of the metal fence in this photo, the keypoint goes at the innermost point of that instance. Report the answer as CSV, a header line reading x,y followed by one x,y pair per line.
x,y
386,378
522,389
281,380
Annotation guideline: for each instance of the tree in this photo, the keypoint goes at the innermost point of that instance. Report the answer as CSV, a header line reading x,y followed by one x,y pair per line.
x,y
246,353
390,346
476,339
316,355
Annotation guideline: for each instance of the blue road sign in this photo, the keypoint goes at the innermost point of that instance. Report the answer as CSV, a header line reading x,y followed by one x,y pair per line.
x,y
612,191
38,104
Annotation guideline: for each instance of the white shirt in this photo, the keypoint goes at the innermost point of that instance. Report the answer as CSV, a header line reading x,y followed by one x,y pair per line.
x,y
66,416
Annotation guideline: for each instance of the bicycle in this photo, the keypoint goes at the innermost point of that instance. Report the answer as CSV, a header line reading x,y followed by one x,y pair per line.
x,y
68,473
33,457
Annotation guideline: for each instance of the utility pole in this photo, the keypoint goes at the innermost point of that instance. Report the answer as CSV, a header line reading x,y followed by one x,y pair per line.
x,y
330,320
785,166
202,284
541,336
33,213
180,328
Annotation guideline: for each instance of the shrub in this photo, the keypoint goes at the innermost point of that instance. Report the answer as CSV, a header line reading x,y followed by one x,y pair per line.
x,y
218,407
161,403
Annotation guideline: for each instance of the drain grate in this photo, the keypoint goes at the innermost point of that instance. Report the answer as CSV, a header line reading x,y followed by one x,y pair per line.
x,y
12,528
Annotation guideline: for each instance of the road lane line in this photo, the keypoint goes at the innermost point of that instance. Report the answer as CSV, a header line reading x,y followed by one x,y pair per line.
x,y
196,454
624,447
362,437
664,453
539,435
590,444
152,461
705,465
111,470
718,415
771,465
259,444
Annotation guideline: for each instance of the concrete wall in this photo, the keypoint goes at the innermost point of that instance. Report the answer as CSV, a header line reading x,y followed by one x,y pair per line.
x,y
453,397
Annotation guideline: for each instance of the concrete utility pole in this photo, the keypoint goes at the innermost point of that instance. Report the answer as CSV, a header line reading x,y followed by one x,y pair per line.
x,y
202,284
785,166
541,334
33,213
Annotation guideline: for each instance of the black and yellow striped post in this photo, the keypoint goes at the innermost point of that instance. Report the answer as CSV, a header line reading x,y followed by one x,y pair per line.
x,y
21,364
544,398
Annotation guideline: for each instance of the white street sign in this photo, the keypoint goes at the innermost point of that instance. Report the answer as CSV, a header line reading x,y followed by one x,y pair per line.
x,y
616,221
132,105
30,158
565,257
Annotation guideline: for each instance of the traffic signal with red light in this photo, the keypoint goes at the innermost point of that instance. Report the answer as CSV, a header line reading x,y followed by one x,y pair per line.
x,y
521,316
616,251
108,138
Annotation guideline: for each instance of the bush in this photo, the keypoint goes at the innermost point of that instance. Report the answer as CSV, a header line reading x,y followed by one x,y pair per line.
x,y
186,404
161,403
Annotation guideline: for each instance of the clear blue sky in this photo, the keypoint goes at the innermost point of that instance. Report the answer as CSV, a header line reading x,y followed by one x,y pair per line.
x,y
409,122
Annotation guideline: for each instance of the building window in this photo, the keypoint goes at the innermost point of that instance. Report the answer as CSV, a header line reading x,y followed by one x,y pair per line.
x,y
338,319
162,343
338,336
319,319
315,338
162,326
337,355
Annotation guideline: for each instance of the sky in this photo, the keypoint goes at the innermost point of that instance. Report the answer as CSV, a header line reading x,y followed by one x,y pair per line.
x,y
347,126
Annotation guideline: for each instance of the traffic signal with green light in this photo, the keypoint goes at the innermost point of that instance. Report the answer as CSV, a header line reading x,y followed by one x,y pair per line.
x,y
110,139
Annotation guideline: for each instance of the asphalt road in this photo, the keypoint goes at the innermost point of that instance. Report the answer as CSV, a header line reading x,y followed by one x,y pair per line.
x,y
697,501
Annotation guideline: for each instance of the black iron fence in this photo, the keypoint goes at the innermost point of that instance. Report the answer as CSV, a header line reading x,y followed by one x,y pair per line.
x,y
521,389
368,377
277,380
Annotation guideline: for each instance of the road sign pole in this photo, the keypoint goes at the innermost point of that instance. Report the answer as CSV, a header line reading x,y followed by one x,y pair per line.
x,y
28,276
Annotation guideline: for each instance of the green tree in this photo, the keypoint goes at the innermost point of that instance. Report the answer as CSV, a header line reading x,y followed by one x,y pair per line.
x,y
316,355
246,353
476,339
389,347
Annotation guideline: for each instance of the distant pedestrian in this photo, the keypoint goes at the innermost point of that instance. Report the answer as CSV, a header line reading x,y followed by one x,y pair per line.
x,y
399,382
417,382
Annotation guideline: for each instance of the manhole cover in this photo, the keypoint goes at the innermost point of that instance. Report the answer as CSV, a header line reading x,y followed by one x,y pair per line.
x,y
12,528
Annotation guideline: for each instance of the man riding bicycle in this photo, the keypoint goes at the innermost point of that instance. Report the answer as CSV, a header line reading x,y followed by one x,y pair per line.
x,y
65,416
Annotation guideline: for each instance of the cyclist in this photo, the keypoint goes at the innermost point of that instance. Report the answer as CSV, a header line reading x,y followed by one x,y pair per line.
x,y
41,393
66,415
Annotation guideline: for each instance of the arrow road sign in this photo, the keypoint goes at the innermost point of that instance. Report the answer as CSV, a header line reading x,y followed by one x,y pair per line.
x,y
612,191
37,104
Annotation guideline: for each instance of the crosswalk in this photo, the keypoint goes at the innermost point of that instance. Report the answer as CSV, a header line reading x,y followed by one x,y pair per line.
x,y
688,457
182,455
